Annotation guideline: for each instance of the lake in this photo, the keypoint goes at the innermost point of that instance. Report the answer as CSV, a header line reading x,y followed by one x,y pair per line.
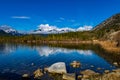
x,y
21,59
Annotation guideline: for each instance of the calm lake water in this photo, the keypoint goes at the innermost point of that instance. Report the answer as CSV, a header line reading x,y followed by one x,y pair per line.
x,y
19,59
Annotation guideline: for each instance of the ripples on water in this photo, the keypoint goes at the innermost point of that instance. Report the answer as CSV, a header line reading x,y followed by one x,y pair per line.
x,y
22,59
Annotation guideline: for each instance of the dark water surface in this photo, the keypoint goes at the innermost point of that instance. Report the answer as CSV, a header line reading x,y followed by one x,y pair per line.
x,y
21,59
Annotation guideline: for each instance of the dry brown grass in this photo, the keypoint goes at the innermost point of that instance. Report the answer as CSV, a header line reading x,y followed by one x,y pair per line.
x,y
109,46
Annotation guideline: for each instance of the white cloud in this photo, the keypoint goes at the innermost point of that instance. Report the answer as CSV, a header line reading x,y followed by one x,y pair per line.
x,y
61,18
20,17
85,28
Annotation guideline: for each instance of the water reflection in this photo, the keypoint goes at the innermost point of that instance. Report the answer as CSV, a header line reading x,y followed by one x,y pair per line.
x,y
7,48
24,55
46,51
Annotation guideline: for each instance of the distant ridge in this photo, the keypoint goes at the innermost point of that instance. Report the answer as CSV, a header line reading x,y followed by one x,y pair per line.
x,y
111,23
3,33
109,29
9,30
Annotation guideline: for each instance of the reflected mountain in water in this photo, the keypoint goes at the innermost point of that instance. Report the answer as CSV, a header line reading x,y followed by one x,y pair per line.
x,y
46,51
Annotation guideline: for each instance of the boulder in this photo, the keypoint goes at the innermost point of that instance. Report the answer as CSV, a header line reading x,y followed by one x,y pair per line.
x,y
59,67
88,72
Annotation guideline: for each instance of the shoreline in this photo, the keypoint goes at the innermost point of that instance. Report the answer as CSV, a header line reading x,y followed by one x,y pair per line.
x,y
110,46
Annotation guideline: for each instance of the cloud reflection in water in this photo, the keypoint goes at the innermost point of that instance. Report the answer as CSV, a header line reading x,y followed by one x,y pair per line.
x,y
46,51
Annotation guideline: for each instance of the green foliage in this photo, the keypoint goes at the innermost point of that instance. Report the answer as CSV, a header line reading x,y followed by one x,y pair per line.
x,y
86,35
71,36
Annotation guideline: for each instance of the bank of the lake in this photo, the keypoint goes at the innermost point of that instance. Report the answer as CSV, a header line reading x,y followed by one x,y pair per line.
x,y
110,46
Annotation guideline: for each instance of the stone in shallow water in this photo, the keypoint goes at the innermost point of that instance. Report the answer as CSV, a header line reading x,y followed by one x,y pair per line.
x,y
88,72
75,64
68,76
115,63
111,76
91,66
106,71
98,68
116,70
25,75
32,64
59,67
38,73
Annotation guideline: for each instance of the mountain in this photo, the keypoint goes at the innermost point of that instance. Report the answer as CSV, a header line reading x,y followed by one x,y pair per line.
x,y
3,33
46,29
112,23
52,31
9,30
107,27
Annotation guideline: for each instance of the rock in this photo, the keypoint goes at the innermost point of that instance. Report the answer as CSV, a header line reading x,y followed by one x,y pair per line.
x,y
115,63
106,71
65,78
32,64
115,75
75,64
38,73
59,67
111,76
86,76
68,76
45,69
91,66
88,72
98,68
116,70
79,77
25,75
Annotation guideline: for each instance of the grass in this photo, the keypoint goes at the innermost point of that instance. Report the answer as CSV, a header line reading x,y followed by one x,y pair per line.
x,y
110,46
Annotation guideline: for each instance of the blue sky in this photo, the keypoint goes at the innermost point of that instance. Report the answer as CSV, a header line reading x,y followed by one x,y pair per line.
x,y
26,15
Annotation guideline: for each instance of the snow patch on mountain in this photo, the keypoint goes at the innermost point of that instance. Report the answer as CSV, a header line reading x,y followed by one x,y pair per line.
x,y
44,29
8,29
48,29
